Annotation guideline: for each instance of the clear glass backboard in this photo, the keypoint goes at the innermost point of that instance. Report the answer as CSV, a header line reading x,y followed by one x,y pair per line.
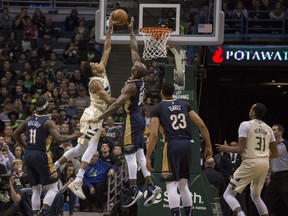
x,y
194,22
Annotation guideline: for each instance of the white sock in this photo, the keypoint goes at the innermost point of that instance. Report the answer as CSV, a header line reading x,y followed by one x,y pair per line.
x,y
241,213
80,175
57,164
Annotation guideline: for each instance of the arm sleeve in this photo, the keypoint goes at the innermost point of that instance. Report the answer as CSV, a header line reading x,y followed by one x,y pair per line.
x,y
155,110
243,129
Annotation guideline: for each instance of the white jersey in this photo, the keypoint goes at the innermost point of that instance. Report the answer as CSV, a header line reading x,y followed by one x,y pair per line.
x,y
259,135
96,100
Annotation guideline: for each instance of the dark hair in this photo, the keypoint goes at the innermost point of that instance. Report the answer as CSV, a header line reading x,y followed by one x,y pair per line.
x,y
280,128
260,110
168,88
86,70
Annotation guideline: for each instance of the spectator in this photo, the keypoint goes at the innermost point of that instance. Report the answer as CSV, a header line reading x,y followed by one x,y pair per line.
x,y
9,198
6,161
27,43
34,61
55,116
49,32
13,117
72,20
106,155
18,151
31,28
38,86
17,106
12,41
22,57
71,109
71,54
8,54
257,14
77,79
118,153
63,85
83,100
95,181
66,177
21,19
59,77
91,54
118,116
82,30
38,19
103,139
6,21
72,91
63,101
113,134
6,109
54,63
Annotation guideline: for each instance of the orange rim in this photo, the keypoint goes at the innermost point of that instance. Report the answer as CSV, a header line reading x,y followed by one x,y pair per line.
x,y
157,33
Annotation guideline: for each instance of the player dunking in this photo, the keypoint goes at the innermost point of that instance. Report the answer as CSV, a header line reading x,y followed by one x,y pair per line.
x,y
99,90
256,144
39,129
133,127
172,117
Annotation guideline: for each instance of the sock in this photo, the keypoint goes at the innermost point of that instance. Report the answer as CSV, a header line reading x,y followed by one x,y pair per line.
x,y
188,210
241,213
80,175
57,164
175,211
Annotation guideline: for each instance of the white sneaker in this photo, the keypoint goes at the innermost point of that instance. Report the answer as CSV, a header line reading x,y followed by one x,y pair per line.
x,y
76,188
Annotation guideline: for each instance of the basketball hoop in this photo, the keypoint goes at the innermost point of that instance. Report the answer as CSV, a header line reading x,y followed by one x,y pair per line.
x,y
155,40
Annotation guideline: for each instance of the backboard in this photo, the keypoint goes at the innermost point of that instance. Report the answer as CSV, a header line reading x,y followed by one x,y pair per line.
x,y
194,22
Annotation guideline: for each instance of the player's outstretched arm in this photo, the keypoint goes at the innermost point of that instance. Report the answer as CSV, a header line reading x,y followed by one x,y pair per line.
x,y
51,127
133,43
107,43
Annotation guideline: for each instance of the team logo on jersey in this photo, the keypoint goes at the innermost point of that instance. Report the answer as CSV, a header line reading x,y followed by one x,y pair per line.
x,y
128,147
166,175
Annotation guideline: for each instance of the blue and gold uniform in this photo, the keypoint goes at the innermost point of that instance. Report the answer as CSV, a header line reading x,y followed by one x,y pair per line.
x,y
177,138
37,157
134,124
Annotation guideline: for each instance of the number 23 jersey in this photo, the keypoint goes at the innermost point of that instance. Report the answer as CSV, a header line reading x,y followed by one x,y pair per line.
x,y
174,119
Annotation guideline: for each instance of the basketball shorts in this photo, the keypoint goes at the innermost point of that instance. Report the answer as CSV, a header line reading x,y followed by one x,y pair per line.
x,y
176,162
39,167
252,171
133,133
90,130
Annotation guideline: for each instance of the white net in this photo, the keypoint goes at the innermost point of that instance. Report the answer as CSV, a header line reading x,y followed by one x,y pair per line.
x,y
155,40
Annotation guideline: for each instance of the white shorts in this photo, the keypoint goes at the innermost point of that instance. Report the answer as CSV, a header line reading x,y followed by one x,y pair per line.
x,y
252,171
88,114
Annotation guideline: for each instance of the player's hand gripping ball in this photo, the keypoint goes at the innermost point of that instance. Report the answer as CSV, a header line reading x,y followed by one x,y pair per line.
x,y
120,16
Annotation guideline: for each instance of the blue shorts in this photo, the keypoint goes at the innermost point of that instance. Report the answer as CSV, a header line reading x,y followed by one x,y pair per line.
x,y
133,133
39,167
177,159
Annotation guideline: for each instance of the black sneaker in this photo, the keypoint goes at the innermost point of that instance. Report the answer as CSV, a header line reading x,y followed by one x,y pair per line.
x,y
134,195
153,191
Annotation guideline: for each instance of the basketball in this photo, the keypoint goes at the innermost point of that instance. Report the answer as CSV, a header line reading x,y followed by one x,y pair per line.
x,y
121,16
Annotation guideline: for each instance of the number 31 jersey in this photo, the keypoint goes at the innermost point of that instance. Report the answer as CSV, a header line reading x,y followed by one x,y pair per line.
x,y
174,119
